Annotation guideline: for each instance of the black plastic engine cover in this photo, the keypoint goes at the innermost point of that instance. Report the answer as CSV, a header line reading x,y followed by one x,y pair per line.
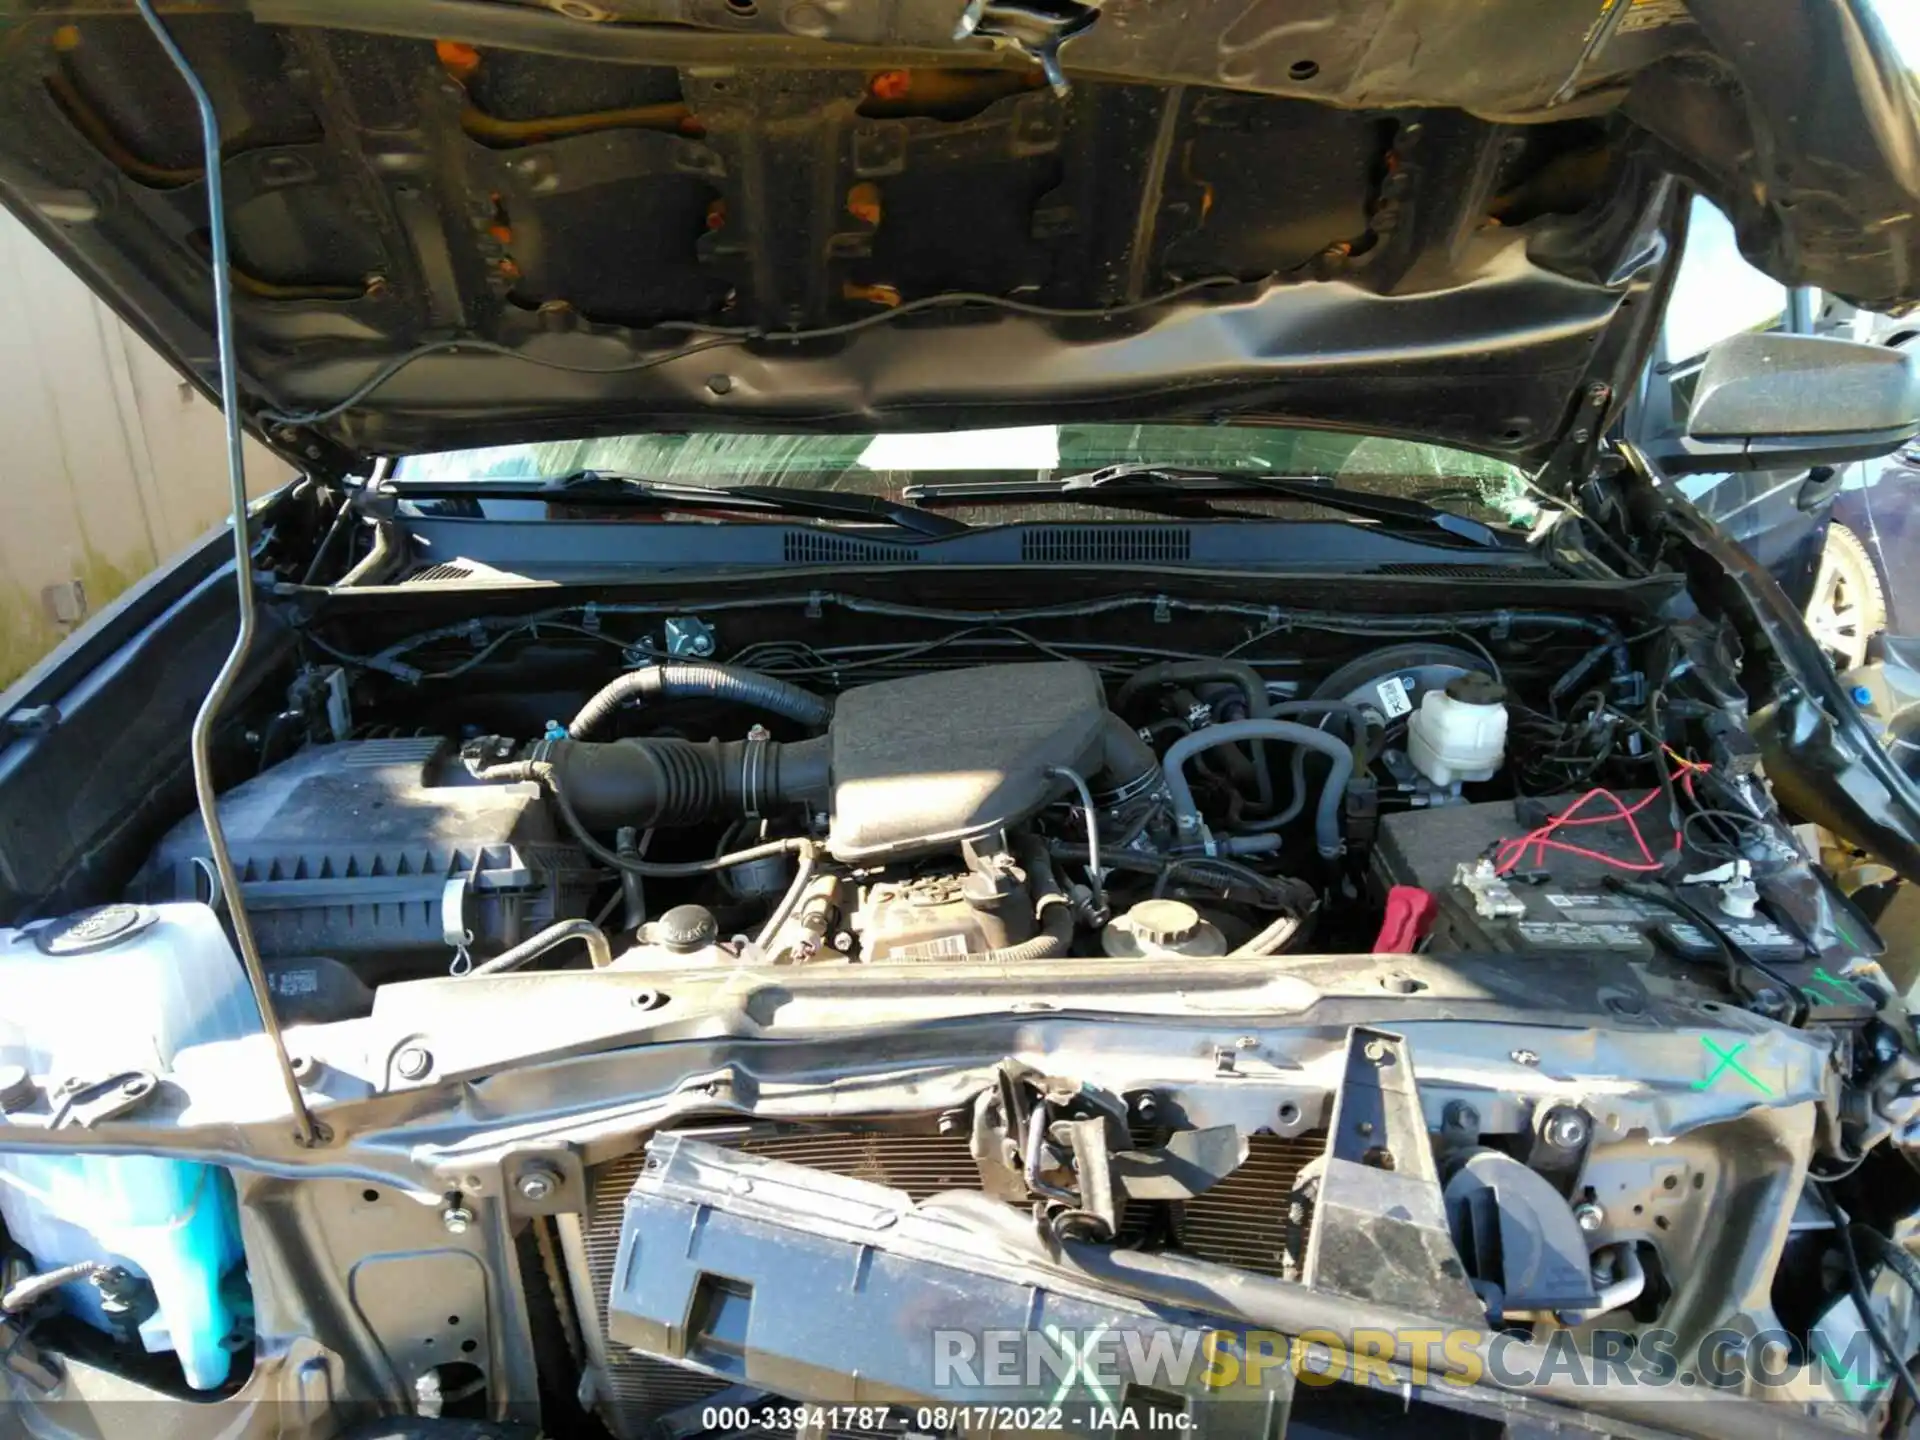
x,y
921,764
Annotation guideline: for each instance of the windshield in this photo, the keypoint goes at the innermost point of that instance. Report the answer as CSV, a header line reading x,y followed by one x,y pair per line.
x,y
881,464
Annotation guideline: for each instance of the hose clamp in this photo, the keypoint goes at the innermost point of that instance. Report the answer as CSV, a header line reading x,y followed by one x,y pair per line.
x,y
755,758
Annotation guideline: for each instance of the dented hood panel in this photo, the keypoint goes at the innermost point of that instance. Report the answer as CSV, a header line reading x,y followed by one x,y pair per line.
x,y
458,222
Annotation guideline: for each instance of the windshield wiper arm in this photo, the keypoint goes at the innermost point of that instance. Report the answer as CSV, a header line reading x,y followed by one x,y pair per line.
x,y
1160,481
609,487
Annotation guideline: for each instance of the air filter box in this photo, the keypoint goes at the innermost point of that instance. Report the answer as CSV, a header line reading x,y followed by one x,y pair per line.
x,y
382,853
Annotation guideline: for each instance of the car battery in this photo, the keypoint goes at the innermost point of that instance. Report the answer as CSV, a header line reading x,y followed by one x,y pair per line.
x,y
1556,901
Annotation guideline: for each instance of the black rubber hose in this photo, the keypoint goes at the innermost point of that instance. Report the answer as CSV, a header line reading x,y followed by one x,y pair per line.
x,y
716,682
1189,672
1862,1303
1232,672
1053,910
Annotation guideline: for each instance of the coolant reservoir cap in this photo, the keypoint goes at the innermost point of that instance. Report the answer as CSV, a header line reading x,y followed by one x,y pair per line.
x,y
1476,688
1164,922
90,930
686,928
1162,928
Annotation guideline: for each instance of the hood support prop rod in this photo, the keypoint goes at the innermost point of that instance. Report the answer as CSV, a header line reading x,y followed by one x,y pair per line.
x,y
305,1131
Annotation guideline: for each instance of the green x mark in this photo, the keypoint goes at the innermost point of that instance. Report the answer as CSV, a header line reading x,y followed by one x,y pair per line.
x,y
1844,992
1728,1062
1842,1367
1078,1362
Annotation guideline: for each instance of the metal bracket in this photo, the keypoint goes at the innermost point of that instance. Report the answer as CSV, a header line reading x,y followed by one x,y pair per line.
x,y
1029,1126
1380,1225
548,1181
689,635
1038,30
85,1104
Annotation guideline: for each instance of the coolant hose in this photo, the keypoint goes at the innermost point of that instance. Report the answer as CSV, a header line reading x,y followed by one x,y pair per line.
x,y
1297,798
716,682
1326,824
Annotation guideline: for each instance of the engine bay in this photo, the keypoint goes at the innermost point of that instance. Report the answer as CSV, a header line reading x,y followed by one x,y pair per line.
x,y
1066,936
915,804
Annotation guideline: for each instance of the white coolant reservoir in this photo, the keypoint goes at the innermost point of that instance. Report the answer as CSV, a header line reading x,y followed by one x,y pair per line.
x,y
1460,733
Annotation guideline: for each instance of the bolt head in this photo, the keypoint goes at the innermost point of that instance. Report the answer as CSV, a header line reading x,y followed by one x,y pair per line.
x,y
1566,1128
1589,1216
457,1218
537,1185
414,1062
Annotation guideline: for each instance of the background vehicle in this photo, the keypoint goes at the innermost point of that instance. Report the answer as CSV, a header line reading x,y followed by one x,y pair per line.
x,y
1843,542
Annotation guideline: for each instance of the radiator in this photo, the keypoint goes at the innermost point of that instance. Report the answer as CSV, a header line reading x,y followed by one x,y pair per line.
x,y
1242,1221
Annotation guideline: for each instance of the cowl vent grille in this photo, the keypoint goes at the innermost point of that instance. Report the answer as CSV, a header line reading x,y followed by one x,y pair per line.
x,y
435,574
1468,571
1106,544
810,547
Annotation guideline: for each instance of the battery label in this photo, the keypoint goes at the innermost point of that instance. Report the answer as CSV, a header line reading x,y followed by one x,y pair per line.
x,y
1596,909
1579,935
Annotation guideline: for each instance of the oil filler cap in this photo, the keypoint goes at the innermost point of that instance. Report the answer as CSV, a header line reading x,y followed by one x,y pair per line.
x,y
92,930
686,928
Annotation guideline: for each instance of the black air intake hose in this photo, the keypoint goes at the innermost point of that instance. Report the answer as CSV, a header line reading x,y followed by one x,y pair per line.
x,y
653,781
683,782
717,682
1125,759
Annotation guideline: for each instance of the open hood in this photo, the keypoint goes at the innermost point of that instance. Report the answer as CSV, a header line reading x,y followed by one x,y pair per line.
x,y
458,222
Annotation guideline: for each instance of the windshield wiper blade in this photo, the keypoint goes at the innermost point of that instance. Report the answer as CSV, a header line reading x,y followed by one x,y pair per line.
x,y
773,499
1120,482
610,487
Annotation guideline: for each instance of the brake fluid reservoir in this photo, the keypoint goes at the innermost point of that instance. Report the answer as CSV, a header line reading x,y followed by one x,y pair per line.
x,y
1460,733
98,994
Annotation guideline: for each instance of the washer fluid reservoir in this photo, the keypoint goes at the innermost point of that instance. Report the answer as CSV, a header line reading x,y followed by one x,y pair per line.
x,y
117,989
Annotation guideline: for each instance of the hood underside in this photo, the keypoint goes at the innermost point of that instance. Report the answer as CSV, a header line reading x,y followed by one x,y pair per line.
x,y
457,223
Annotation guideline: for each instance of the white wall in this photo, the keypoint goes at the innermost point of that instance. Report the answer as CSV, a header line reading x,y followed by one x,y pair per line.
x,y
109,461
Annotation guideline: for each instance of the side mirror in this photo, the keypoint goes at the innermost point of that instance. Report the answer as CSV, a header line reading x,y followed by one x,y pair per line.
x,y
1790,402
